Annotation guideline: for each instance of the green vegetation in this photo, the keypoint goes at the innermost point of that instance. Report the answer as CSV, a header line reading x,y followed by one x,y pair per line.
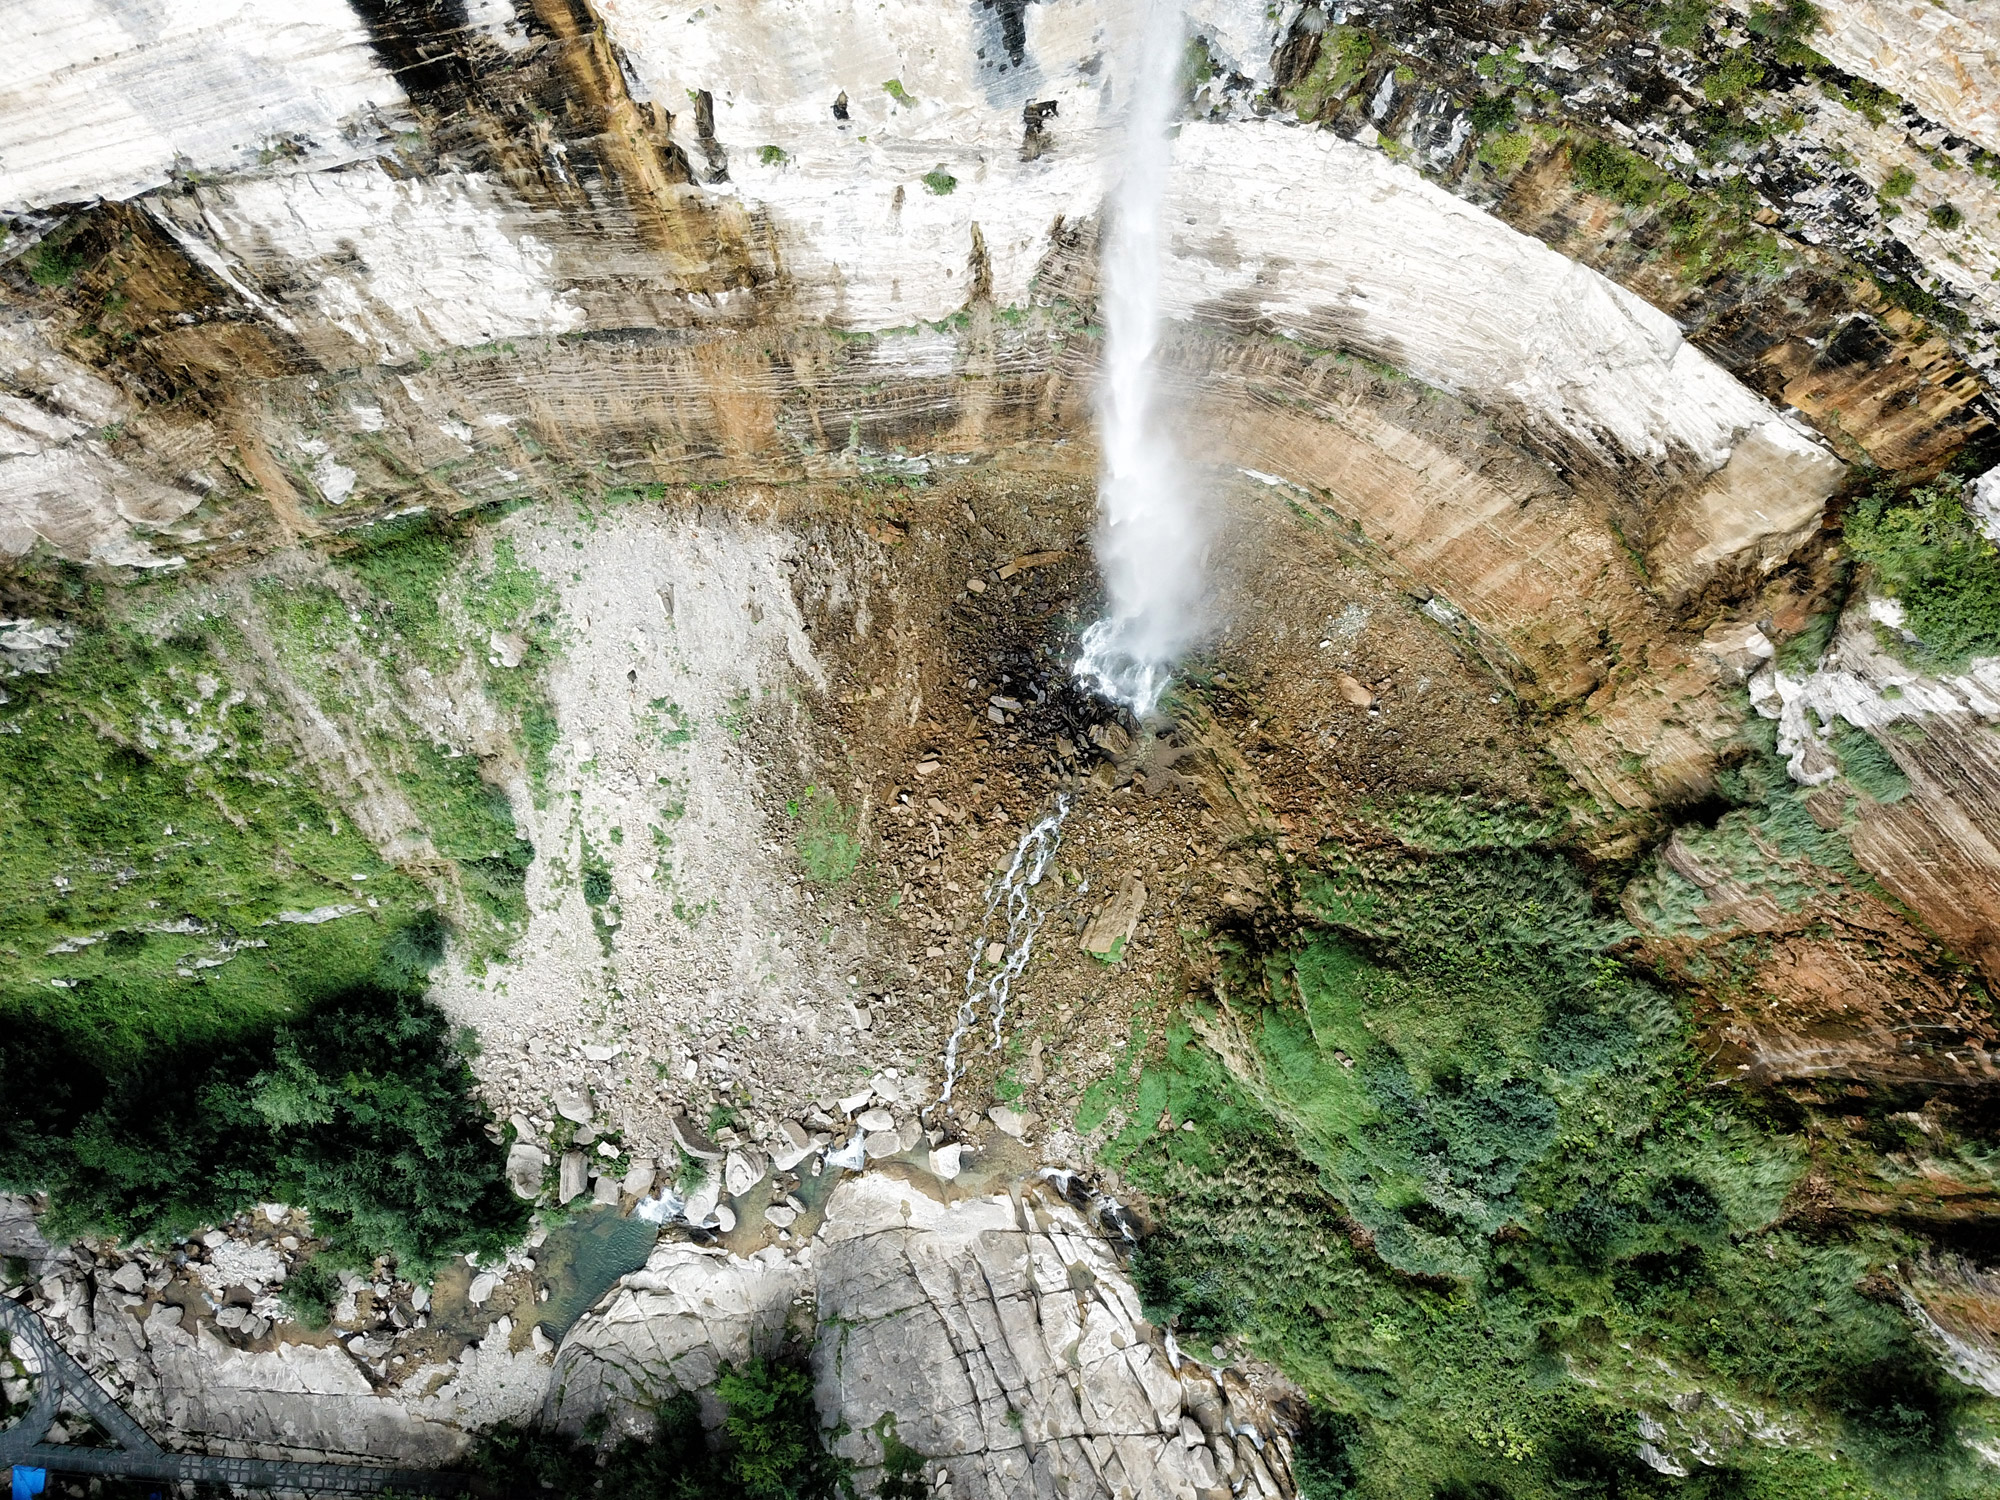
x,y
1492,112
1926,552
54,262
1866,764
359,1110
769,1449
1344,55
1872,102
163,843
218,976
1738,74
939,181
1898,184
828,839
895,90
1468,1184
1785,26
311,1291
1707,230
1682,23
772,156
1197,67
1766,844
1945,216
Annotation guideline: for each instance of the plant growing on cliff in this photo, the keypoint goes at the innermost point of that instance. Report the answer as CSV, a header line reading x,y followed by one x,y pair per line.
x,y
939,181
1344,55
1926,552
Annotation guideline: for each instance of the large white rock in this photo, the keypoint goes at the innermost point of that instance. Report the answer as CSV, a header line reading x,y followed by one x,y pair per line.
x,y
101,98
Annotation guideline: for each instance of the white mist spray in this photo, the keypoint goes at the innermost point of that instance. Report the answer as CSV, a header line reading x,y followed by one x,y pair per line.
x,y
1148,539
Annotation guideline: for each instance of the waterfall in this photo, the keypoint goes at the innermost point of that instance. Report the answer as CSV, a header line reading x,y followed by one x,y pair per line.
x,y
1148,539
1010,902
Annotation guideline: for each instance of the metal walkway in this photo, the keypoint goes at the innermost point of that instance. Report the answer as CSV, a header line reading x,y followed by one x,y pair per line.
x,y
137,1456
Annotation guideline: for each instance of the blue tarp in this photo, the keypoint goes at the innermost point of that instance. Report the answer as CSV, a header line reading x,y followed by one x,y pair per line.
x,y
29,1483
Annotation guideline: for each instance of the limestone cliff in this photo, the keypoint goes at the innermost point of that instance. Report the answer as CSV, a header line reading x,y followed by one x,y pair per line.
x,y
623,470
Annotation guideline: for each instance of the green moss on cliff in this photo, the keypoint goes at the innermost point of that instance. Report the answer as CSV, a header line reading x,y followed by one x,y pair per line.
x,y
1465,1179
165,843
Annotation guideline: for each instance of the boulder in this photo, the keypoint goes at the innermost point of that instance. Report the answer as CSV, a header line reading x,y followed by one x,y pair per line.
x,y
1015,1122
574,1177
604,1191
743,1170
701,1202
947,1161
881,1143
693,1141
482,1287
876,1119
639,1180
575,1107
526,1166
1110,931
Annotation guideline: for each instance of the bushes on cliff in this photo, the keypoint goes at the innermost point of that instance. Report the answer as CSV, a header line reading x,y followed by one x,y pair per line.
x,y
1470,1186
1927,553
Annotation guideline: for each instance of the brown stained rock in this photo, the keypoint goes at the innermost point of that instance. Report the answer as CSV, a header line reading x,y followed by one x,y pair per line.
x,y
1352,692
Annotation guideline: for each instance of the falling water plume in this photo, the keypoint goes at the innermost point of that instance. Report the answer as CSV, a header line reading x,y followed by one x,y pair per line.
x,y
1148,538
1010,902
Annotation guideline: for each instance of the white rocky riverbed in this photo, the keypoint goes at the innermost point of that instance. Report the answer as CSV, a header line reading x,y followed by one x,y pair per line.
x,y
993,1330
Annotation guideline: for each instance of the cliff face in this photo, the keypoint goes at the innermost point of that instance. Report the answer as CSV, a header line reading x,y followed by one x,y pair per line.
x,y
625,468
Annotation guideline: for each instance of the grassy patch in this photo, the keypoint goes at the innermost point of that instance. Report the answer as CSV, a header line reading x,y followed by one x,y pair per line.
x,y
828,840
162,839
1707,230
939,182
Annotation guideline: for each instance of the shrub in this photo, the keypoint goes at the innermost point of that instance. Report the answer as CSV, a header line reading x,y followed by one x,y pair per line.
x,y
1945,216
1926,552
1344,55
1615,173
895,90
772,156
939,181
310,1293
1681,23
1736,75
1492,112
1785,26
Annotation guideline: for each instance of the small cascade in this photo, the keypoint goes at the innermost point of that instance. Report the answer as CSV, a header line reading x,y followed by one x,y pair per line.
x,y
1009,903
